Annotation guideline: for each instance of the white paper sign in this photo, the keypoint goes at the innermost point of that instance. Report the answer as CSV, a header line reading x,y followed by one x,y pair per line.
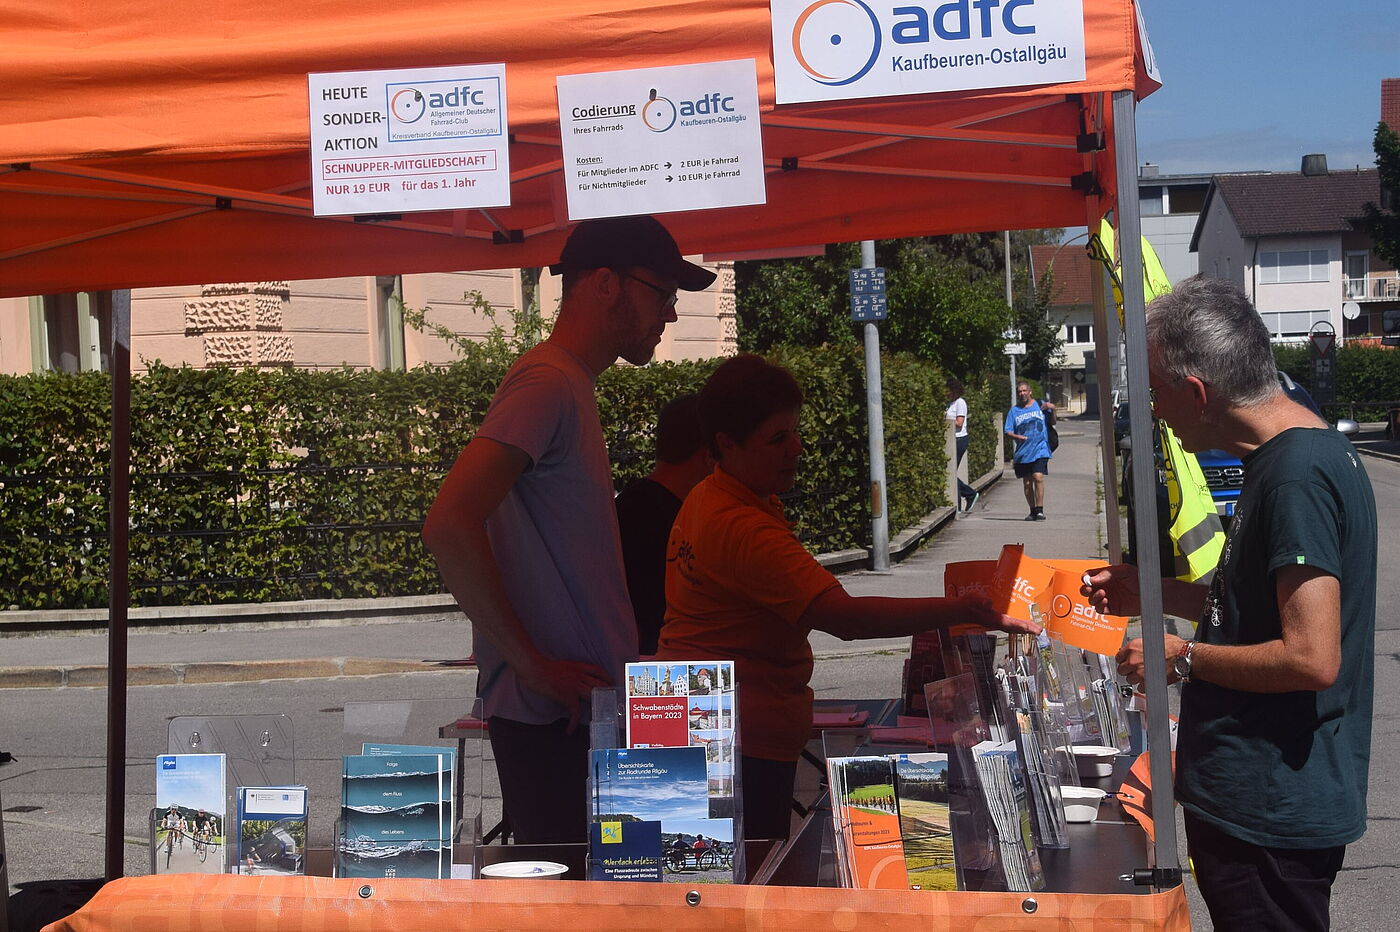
x,y
655,140
840,49
409,140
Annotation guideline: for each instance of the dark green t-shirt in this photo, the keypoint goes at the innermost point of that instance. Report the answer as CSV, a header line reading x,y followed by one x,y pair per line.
x,y
1287,770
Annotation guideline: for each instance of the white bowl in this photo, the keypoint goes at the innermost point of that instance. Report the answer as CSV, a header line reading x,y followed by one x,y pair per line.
x,y
1095,761
1081,802
538,870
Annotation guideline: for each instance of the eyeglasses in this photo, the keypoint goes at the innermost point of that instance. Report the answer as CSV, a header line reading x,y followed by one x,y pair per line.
x,y
1152,392
668,298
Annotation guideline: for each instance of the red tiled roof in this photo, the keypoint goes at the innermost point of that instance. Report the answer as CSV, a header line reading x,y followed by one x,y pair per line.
x,y
1390,103
1274,203
1072,269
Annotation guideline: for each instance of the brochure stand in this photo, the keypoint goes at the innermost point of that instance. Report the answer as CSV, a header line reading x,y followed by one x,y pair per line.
x,y
464,797
260,749
664,791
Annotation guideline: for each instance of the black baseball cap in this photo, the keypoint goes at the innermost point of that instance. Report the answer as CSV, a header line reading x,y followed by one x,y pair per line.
x,y
630,242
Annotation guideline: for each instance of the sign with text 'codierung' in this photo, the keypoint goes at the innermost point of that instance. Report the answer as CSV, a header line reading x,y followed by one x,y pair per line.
x,y
409,140
842,49
654,140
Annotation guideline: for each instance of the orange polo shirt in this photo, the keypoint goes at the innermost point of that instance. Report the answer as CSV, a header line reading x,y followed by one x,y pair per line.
x,y
737,584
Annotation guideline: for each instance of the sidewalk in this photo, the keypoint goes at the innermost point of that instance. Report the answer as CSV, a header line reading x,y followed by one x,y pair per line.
x,y
1073,530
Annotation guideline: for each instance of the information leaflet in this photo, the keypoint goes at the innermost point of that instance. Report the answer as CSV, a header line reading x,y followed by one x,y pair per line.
x,y
409,140
656,140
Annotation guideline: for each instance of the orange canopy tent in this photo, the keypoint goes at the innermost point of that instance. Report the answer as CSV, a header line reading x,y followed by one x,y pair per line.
x,y
159,142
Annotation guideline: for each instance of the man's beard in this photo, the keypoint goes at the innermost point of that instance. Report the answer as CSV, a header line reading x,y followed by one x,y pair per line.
x,y
640,349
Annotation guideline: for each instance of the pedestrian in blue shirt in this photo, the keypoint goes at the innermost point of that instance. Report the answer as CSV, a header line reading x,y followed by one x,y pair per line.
x,y
1026,424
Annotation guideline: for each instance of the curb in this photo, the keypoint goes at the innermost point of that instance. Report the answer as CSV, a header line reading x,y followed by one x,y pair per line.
x,y
176,674
1378,454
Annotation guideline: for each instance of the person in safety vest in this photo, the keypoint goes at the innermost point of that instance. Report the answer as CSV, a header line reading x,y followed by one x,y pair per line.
x,y
1274,738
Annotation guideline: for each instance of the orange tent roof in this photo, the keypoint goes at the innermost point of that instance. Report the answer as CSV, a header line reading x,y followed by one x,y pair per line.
x,y
148,142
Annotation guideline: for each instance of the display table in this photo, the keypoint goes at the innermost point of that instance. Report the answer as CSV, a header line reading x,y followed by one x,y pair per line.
x,y
227,903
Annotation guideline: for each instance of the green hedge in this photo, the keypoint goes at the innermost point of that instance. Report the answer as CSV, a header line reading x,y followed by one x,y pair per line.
x,y
1364,374
277,485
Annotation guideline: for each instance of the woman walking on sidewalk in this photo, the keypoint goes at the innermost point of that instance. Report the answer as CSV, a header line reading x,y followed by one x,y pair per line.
x,y
957,413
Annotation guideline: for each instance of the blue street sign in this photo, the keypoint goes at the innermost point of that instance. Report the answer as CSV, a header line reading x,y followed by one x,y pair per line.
x,y
867,281
868,307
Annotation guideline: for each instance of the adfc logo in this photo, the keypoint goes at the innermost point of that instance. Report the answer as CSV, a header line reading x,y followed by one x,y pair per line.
x,y
658,113
408,105
836,41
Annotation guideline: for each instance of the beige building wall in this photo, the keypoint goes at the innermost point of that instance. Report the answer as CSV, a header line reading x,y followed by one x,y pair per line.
x,y
355,322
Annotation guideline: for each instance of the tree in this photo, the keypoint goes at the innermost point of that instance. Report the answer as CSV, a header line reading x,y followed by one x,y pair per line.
x,y
946,299
1382,221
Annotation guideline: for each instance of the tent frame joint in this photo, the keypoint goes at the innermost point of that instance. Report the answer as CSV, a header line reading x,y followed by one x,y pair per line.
x,y
507,237
1090,142
789,163
1087,182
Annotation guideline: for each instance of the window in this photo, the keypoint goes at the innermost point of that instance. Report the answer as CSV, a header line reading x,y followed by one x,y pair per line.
x,y
1291,325
388,323
1079,334
71,332
1299,265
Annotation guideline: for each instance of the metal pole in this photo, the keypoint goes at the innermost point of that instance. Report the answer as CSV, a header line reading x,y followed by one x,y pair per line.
x,y
875,411
119,511
1105,341
1006,251
1144,478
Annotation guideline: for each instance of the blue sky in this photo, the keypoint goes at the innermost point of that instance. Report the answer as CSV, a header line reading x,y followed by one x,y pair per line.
x,y
1255,85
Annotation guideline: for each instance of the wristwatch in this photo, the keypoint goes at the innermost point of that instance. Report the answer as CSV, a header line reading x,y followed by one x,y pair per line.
x,y
1181,665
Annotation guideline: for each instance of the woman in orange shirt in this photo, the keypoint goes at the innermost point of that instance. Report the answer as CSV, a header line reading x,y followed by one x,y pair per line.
x,y
741,587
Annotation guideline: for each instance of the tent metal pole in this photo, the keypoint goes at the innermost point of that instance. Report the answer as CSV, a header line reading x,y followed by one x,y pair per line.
x,y
1104,337
875,411
1144,485
119,509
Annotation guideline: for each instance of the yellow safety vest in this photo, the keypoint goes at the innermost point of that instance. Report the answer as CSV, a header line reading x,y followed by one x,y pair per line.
x,y
1196,532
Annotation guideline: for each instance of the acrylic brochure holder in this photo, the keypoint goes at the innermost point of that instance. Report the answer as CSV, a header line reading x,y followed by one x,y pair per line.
x,y
257,750
672,733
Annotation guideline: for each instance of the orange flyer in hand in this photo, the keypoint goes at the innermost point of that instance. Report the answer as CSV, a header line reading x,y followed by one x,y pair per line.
x,y
969,577
1021,586
1074,620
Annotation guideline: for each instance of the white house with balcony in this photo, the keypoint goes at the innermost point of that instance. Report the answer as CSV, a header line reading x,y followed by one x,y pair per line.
x,y
1291,240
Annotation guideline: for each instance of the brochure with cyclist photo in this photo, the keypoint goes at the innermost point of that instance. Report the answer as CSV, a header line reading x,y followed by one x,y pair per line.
x,y
390,817
865,817
271,831
667,788
187,824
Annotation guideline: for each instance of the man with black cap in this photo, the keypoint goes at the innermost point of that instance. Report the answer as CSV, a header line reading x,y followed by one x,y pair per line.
x,y
524,529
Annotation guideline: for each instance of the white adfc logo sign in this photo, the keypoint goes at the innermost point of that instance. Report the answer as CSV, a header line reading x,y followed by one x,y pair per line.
x,y
839,49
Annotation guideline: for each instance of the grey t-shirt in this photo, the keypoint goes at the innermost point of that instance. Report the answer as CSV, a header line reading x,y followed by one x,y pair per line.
x,y
555,533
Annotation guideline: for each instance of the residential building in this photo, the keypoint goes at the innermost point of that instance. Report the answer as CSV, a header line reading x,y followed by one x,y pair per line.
x,y
1073,383
1170,205
321,324
1291,240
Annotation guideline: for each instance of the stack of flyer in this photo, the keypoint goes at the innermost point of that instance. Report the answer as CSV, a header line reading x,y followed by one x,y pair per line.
x,y
187,824
1003,783
662,808
396,813
865,817
892,822
271,830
